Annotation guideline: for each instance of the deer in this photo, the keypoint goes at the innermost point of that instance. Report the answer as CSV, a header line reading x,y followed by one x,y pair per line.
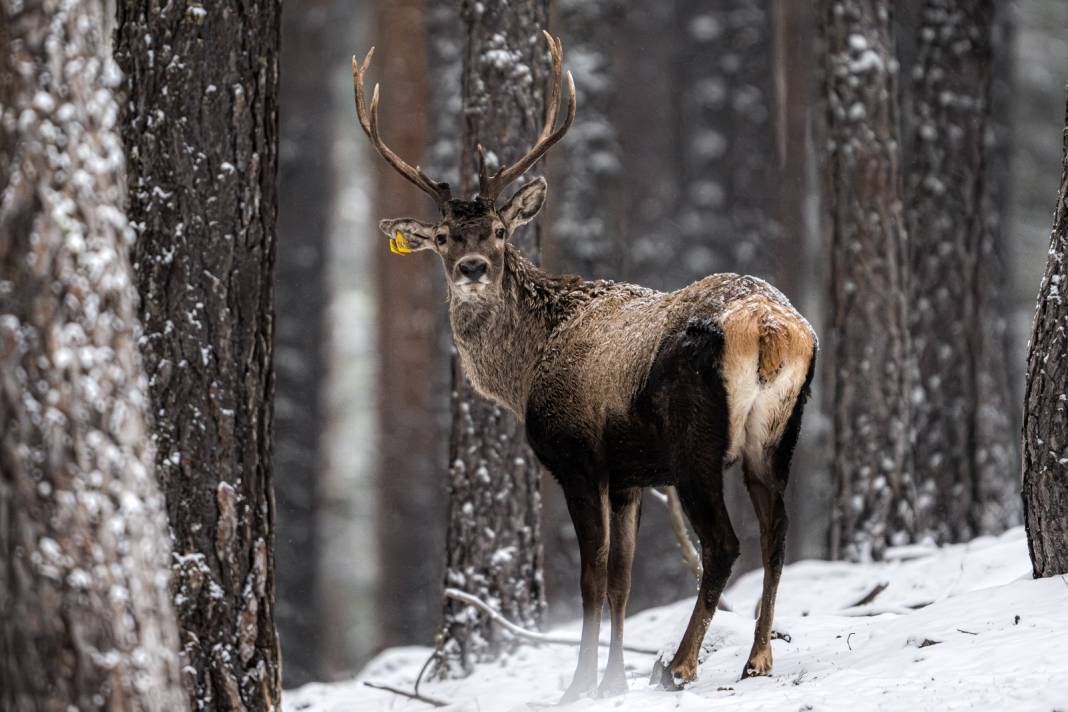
x,y
619,388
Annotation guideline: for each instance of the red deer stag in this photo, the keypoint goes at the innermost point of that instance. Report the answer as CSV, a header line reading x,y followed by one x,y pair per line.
x,y
621,387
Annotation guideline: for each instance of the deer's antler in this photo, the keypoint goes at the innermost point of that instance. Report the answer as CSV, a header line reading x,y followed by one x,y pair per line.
x,y
491,186
369,122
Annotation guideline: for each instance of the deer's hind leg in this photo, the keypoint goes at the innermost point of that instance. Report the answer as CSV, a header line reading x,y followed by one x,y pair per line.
x,y
766,492
705,507
767,471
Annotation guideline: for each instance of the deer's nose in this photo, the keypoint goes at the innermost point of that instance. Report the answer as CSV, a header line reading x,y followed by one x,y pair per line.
x,y
473,269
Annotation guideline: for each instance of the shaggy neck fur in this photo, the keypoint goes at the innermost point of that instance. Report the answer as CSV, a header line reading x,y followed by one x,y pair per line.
x,y
502,336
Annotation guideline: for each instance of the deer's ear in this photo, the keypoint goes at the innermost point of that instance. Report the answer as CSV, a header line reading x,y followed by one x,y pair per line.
x,y
407,235
525,204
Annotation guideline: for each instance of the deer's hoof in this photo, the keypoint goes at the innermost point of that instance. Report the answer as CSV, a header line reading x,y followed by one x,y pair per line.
x,y
613,684
577,690
758,665
666,678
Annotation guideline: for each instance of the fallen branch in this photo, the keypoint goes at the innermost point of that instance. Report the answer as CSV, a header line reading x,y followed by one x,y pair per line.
x,y
670,498
521,632
409,695
871,595
870,610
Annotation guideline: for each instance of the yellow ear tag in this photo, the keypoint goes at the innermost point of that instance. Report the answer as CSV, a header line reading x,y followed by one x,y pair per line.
x,y
398,245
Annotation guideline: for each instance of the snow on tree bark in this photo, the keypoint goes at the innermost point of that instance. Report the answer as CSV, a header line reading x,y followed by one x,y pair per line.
x,y
87,622
876,498
305,179
725,138
642,122
587,169
961,370
998,419
1045,425
412,448
493,542
200,129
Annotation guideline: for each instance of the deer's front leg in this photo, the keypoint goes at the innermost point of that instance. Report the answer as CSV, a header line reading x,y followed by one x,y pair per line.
x,y
589,513
626,513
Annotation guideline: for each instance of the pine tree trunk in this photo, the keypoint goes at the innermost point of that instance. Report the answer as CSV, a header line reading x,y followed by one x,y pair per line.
x,y
306,181
201,138
1045,426
587,169
411,448
998,418
86,620
648,146
953,295
876,496
493,543
725,138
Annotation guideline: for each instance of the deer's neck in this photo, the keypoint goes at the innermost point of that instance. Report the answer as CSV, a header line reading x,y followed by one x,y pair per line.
x,y
501,339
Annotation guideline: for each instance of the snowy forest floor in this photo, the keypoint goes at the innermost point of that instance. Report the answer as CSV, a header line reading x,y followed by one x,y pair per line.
x,y
960,627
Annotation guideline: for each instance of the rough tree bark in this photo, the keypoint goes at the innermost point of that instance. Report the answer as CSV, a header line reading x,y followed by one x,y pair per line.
x,y
964,463
876,499
493,542
86,620
201,136
1045,425
587,170
411,440
305,179
725,138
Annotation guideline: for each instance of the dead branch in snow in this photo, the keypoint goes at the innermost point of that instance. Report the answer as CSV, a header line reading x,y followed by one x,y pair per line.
x,y
870,595
670,499
410,695
521,632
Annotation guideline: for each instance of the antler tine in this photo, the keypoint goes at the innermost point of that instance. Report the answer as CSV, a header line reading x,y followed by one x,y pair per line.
x,y
556,51
369,123
491,187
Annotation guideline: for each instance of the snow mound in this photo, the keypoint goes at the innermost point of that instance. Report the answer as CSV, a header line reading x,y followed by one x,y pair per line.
x,y
958,627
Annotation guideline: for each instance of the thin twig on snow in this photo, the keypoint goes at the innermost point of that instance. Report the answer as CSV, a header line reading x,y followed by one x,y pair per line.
x,y
521,632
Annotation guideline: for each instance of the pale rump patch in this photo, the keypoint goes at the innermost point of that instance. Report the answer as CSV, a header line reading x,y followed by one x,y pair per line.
x,y
768,351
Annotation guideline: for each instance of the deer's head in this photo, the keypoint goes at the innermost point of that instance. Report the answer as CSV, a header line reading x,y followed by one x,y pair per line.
x,y
470,235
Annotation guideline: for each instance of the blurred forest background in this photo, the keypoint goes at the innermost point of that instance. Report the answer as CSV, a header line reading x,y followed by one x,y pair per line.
x,y
694,151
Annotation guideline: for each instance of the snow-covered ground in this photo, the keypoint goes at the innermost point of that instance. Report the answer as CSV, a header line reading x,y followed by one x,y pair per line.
x,y
962,627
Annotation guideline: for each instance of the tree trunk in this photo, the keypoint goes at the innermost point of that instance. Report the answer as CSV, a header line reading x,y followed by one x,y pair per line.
x,y
201,136
588,177
411,442
954,298
876,496
1045,425
725,138
997,420
86,621
305,179
493,542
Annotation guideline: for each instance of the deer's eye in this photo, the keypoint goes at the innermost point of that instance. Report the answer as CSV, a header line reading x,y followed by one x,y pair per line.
x,y
440,238
500,232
